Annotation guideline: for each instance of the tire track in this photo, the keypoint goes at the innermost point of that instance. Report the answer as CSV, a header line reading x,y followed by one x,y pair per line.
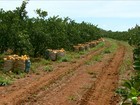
x,y
102,90
71,87
17,96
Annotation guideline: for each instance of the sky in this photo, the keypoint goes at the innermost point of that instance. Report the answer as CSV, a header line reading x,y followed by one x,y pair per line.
x,y
115,15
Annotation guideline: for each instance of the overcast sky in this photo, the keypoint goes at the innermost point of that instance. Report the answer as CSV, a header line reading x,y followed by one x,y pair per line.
x,y
115,15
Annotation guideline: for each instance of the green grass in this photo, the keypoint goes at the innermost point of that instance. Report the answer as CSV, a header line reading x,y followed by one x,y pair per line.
x,y
17,76
97,58
82,52
101,44
17,71
75,55
125,68
112,49
7,77
126,65
113,46
39,62
107,50
48,68
66,58
34,67
45,62
127,61
5,81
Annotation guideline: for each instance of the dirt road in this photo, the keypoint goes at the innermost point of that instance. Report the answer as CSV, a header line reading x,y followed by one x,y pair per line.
x,y
71,83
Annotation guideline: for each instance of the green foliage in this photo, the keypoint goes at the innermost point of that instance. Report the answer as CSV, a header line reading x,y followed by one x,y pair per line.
x,y
45,62
33,36
65,59
97,58
106,51
4,81
130,89
17,71
49,68
136,65
41,13
136,57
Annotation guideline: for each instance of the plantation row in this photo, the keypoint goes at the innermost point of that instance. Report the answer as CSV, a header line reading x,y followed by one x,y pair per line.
x,y
132,35
32,36
130,89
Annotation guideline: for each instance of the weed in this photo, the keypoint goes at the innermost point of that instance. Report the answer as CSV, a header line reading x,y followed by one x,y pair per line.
x,y
34,67
65,59
17,71
49,68
98,46
38,62
77,55
97,58
82,52
72,98
22,75
106,51
88,62
16,75
4,81
45,62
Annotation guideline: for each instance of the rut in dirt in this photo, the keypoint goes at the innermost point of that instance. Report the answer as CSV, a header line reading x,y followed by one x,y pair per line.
x,y
82,88
15,95
103,91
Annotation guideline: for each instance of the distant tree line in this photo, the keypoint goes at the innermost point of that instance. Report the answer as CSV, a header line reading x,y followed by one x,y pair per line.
x,y
132,36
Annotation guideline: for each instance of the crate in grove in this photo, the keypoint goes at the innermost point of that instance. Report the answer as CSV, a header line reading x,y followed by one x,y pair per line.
x,y
47,53
87,47
8,65
19,65
15,62
61,53
81,48
53,55
76,48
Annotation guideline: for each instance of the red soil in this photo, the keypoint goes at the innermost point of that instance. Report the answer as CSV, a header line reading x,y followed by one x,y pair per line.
x,y
70,83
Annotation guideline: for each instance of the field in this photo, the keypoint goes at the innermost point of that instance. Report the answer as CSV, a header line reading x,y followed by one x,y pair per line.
x,y
53,60
87,78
